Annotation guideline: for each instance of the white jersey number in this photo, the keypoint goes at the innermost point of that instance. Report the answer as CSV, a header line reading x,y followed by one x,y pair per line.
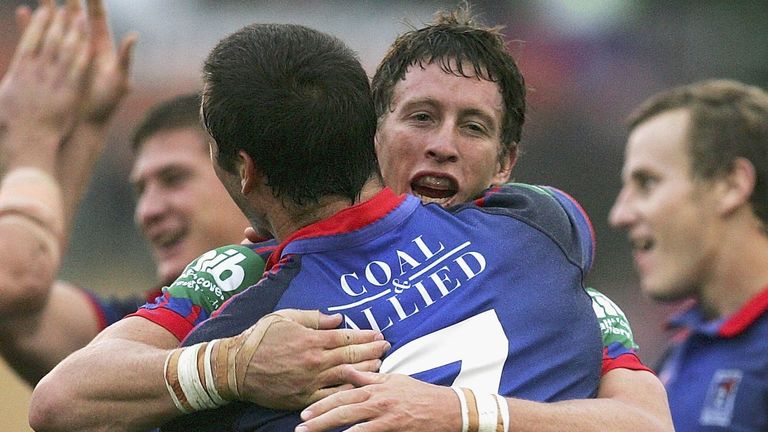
x,y
479,343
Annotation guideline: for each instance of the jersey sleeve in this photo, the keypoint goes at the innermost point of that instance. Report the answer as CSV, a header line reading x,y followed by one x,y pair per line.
x,y
205,285
551,211
111,310
619,347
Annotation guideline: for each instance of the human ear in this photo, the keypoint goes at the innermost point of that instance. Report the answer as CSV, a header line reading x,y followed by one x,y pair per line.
x,y
506,164
737,185
249,173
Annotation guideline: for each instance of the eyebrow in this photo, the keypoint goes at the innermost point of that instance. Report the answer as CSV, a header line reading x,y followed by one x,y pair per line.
x,y
465,112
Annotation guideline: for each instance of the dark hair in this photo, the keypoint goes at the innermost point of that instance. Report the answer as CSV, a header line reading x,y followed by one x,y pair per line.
x,y
455,40
728,120
299,103
180,112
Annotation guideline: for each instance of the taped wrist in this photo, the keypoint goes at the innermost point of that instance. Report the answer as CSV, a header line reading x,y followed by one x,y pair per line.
x,y
211,374
35,195
484,413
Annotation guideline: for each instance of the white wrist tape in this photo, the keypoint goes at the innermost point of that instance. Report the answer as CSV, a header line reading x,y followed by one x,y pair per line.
x,y
503,412
484,413
209,381
488,412
464,410
166,373
189,378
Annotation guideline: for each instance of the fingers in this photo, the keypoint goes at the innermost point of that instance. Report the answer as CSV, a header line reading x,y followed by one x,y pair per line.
x,y
82,55
306,318
338,409
125,52
23,15
324,392
252,235
352,375
328,322
72,8
35,30
364,366
340,338
55,35
102,36
96,9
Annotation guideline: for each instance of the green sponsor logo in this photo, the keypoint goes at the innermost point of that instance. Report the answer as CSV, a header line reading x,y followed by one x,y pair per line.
x,y
217,275
614,325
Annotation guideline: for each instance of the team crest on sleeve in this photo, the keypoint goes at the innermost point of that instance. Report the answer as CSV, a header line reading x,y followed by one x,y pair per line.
x,y
721,395
614,325
217,275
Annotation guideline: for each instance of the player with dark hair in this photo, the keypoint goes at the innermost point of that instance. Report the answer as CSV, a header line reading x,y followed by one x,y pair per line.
x,y
430,280
437,281
451,105
62,87
695,206
650,412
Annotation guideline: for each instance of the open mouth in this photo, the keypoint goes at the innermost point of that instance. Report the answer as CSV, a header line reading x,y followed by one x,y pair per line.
x,y
168,239
434,189
642,244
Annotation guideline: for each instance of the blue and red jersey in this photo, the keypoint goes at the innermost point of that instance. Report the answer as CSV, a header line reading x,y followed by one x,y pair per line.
x,y
487,295
205,284
716,371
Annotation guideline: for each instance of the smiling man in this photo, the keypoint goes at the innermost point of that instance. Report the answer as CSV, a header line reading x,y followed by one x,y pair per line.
x,y
695,207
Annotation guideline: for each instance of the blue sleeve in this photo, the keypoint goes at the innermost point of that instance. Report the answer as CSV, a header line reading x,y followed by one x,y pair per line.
x,y
551,211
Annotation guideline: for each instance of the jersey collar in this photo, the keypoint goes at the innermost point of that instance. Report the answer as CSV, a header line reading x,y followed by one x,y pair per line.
x,y
725,327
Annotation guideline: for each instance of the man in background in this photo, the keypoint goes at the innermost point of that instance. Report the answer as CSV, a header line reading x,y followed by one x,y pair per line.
x,y
54,131
695,206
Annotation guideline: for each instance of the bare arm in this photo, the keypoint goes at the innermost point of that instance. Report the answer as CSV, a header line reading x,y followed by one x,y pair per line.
x,y
52,133
107,85
43,83
628,401
33,343
295,362
124,365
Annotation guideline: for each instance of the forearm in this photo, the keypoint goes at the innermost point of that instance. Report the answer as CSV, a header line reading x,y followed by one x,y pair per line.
x,y
627,400
32,343
30,229
581,415
111,384
76,162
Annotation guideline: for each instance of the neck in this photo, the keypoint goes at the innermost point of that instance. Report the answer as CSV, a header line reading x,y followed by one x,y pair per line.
x,y
740,271
284,220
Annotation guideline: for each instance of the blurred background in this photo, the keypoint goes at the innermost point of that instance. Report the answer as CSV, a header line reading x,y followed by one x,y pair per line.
x,y
587,63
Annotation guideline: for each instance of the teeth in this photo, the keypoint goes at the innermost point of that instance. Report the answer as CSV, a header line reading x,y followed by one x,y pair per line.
x,y
429,200
431,181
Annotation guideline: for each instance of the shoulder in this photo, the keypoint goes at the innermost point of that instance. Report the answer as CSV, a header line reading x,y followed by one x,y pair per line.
x,y
218,274
547,209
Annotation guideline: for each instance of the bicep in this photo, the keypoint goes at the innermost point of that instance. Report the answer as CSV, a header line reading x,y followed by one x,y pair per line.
x,y
35,342
640,390
139,330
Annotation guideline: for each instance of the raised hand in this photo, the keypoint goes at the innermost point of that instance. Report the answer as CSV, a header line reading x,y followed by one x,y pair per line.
x,y
110,69
43,87
110,81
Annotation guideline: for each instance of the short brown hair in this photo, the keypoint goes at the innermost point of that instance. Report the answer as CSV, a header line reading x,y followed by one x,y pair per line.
x,y
728,120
